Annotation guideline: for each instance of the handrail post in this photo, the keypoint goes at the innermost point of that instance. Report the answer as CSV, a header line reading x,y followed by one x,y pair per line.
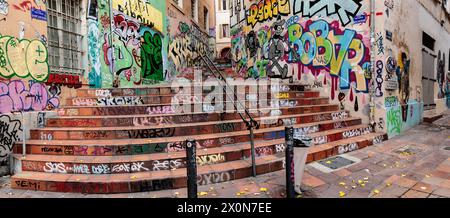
x,y
252,143
191,160
289,136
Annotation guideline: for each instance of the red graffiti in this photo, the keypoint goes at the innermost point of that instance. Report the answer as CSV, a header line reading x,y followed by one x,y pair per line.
x,y
71,81
25,6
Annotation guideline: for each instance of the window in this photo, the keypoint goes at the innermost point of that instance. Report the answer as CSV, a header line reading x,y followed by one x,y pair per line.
x,y
224,5
206,18
64,38
225,31
428,41
179,3
194,9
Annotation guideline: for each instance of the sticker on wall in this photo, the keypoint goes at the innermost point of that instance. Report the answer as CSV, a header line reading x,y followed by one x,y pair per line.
x,y
4,7
360,19
389,35
38,14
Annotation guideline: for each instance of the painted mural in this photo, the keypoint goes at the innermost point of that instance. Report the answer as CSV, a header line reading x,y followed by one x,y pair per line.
x,y
127,46
396,123
24,64
325,44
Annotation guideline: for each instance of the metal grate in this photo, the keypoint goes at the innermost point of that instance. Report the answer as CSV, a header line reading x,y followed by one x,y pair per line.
x,y
337,162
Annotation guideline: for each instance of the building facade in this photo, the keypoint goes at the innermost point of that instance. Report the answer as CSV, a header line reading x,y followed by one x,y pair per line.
x,y
390,83
223,37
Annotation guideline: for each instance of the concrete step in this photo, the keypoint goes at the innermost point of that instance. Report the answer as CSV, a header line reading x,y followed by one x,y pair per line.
x,y
138,180
171,130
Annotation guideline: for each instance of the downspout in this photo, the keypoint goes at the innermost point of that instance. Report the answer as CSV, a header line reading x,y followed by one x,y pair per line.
x,y
372,64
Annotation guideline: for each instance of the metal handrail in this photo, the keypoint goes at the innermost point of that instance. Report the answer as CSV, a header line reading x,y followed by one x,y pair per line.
x,y
251,123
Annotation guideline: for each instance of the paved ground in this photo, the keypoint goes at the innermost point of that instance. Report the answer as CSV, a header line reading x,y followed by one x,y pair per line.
x,y
422,170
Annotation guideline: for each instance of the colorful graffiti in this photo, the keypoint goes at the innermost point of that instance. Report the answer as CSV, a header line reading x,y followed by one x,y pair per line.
x,y
344,10
403,82
394,122
141,11
151,56
130,50
16,97
10,130
265,10
23,58
185,47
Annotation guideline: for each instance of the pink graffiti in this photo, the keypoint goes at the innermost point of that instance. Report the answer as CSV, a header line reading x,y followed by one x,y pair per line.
x,y
15,97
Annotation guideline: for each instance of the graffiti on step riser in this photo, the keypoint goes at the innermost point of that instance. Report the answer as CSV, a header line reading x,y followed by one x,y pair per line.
x,y
16,96
10,132
207,179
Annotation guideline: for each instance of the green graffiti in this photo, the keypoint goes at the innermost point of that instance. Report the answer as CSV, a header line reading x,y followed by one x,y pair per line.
x,y
23,58
152,62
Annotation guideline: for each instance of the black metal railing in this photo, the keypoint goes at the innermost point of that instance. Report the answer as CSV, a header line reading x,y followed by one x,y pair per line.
x,y
243,112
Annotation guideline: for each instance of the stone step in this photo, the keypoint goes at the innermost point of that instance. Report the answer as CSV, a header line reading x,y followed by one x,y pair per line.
x,y
171,130
169,89
170,110
157,120
174,179
321,133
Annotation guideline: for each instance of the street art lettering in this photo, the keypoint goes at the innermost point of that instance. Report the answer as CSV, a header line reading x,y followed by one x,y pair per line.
x,y
23,58
10,131
378,140
116,101
212,178
379,80
210,159
159,165
379,43
151,56
142,11
55,168
15,97
279,148
71,81
266,10
342,149
346,10
129,167
317,49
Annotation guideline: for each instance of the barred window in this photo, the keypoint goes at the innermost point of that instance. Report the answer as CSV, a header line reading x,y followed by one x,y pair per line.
x,y
64,36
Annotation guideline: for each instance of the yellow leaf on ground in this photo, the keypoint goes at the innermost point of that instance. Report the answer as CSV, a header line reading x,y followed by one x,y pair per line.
x,y
328,162
388,184
376,191
263,189
363,185
203,193
360,181
403,175
342,183
428,176
341,194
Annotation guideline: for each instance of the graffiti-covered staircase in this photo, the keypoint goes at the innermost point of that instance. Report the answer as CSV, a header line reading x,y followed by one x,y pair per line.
x,y
132,140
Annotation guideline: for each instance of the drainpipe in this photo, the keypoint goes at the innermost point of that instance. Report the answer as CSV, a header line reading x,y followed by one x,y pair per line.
x,y
372,64
111,42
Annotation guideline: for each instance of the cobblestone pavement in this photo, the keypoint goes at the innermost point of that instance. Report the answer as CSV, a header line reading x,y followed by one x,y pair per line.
x,y
414,165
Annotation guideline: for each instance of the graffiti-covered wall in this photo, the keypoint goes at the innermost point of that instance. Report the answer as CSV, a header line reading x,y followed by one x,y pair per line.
x,y
325,44
126,41
143,42
24,68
